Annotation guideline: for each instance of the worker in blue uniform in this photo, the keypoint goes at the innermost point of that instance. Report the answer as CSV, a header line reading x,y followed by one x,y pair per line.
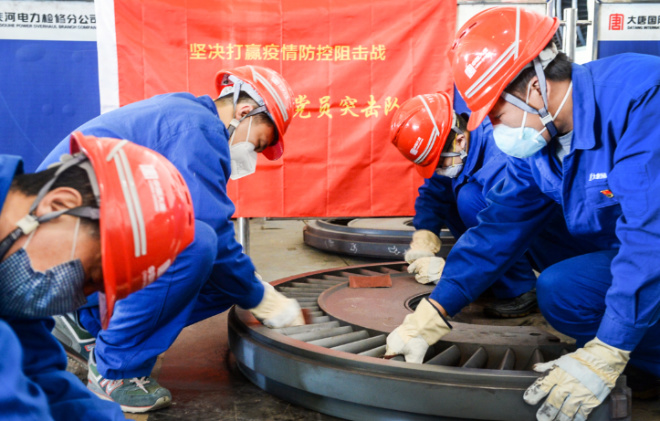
x,y
209,141
583,136
53,252
455,199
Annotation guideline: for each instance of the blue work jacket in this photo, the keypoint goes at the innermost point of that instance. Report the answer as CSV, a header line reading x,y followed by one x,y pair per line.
x,y
484,164
35,384
187,131
607,186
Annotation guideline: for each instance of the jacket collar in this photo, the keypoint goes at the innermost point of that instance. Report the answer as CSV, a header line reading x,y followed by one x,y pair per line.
x,y
584,106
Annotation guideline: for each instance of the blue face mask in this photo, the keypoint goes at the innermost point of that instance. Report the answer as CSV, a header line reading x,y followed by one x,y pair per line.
x,y
520,142
26,293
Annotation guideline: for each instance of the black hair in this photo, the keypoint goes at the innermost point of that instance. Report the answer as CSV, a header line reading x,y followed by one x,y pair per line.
x,y
244,98
558,69
74,177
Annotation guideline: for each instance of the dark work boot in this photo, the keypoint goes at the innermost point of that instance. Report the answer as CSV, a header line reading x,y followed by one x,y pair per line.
x,y
644,385
519,306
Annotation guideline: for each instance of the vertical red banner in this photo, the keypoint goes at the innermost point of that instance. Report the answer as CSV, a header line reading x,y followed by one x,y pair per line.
x,y
350,63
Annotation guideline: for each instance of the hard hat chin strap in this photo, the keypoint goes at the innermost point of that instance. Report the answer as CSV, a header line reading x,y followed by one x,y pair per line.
x,y
546,117
231,127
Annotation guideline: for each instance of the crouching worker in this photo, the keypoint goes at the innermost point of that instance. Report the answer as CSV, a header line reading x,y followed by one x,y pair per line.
x,y
110,218
209,141
584,136
460,167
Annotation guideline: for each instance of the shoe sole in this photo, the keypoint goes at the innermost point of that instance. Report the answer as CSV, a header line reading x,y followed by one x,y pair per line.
x,y
162,402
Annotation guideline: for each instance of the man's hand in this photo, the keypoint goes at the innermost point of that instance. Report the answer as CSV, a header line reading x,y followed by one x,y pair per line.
x,y
577,382
418,331
275,310
424,244
427,269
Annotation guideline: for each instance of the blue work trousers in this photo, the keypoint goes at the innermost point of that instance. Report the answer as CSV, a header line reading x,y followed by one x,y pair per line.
x,y
571,296
520,277
147,322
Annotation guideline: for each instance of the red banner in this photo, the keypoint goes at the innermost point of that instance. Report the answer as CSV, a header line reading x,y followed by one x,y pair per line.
x,y
350,63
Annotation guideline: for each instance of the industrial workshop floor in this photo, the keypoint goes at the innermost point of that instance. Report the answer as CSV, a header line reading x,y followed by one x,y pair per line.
x,y
202,374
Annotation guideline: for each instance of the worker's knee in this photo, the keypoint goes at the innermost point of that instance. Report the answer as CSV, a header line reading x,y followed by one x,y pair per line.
x,y
205,243
549,289
198,257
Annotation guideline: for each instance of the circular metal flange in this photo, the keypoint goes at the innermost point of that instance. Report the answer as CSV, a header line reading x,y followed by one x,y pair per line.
x,y
381,238
334,364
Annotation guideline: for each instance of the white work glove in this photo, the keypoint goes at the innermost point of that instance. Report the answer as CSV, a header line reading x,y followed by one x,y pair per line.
x,y
424,244
427,269
418,331
577,382
275,310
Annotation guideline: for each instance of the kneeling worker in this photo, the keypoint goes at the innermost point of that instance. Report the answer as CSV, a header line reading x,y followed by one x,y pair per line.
x,y
584,136
460,167
111,218
209,141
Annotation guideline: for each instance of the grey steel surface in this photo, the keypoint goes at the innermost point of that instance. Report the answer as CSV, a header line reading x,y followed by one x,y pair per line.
x,y
477,372
570,32
244,234
367,237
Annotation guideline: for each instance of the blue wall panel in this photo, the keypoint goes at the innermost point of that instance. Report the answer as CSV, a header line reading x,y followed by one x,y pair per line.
x,y
47,89
610,48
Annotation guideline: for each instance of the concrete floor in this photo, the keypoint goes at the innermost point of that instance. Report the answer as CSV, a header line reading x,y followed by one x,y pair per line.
x,y
201,373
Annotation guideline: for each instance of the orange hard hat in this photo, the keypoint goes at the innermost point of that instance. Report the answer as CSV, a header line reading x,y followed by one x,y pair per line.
x,y
274,93
420,128
146,214
491,49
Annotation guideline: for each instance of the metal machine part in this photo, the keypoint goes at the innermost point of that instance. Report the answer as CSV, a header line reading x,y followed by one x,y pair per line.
x,y
334,365
381,238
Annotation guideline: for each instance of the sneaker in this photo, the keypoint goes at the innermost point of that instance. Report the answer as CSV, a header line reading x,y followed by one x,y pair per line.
x,y
139,394
77,343
644,385
519,306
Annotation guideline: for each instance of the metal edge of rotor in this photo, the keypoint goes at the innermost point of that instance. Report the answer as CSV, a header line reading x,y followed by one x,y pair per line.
x,y
270,359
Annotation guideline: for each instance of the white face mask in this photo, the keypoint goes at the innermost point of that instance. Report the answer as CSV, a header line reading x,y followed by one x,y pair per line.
x,y
452,171
243,157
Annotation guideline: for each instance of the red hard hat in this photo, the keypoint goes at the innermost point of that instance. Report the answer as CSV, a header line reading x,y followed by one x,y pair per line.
x,y
420,128
275,92
491,49
146,214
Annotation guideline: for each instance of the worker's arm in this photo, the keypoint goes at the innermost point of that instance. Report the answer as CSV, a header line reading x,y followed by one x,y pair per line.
x,y
435,204
633,300
233,275
517,210
44,388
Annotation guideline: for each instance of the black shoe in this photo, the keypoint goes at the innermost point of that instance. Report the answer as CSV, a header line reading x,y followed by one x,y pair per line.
x,y
644,385
519,306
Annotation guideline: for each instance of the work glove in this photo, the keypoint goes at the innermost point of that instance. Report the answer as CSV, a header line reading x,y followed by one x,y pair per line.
x,y
275,310
418,331
427,269
424,244
577,382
